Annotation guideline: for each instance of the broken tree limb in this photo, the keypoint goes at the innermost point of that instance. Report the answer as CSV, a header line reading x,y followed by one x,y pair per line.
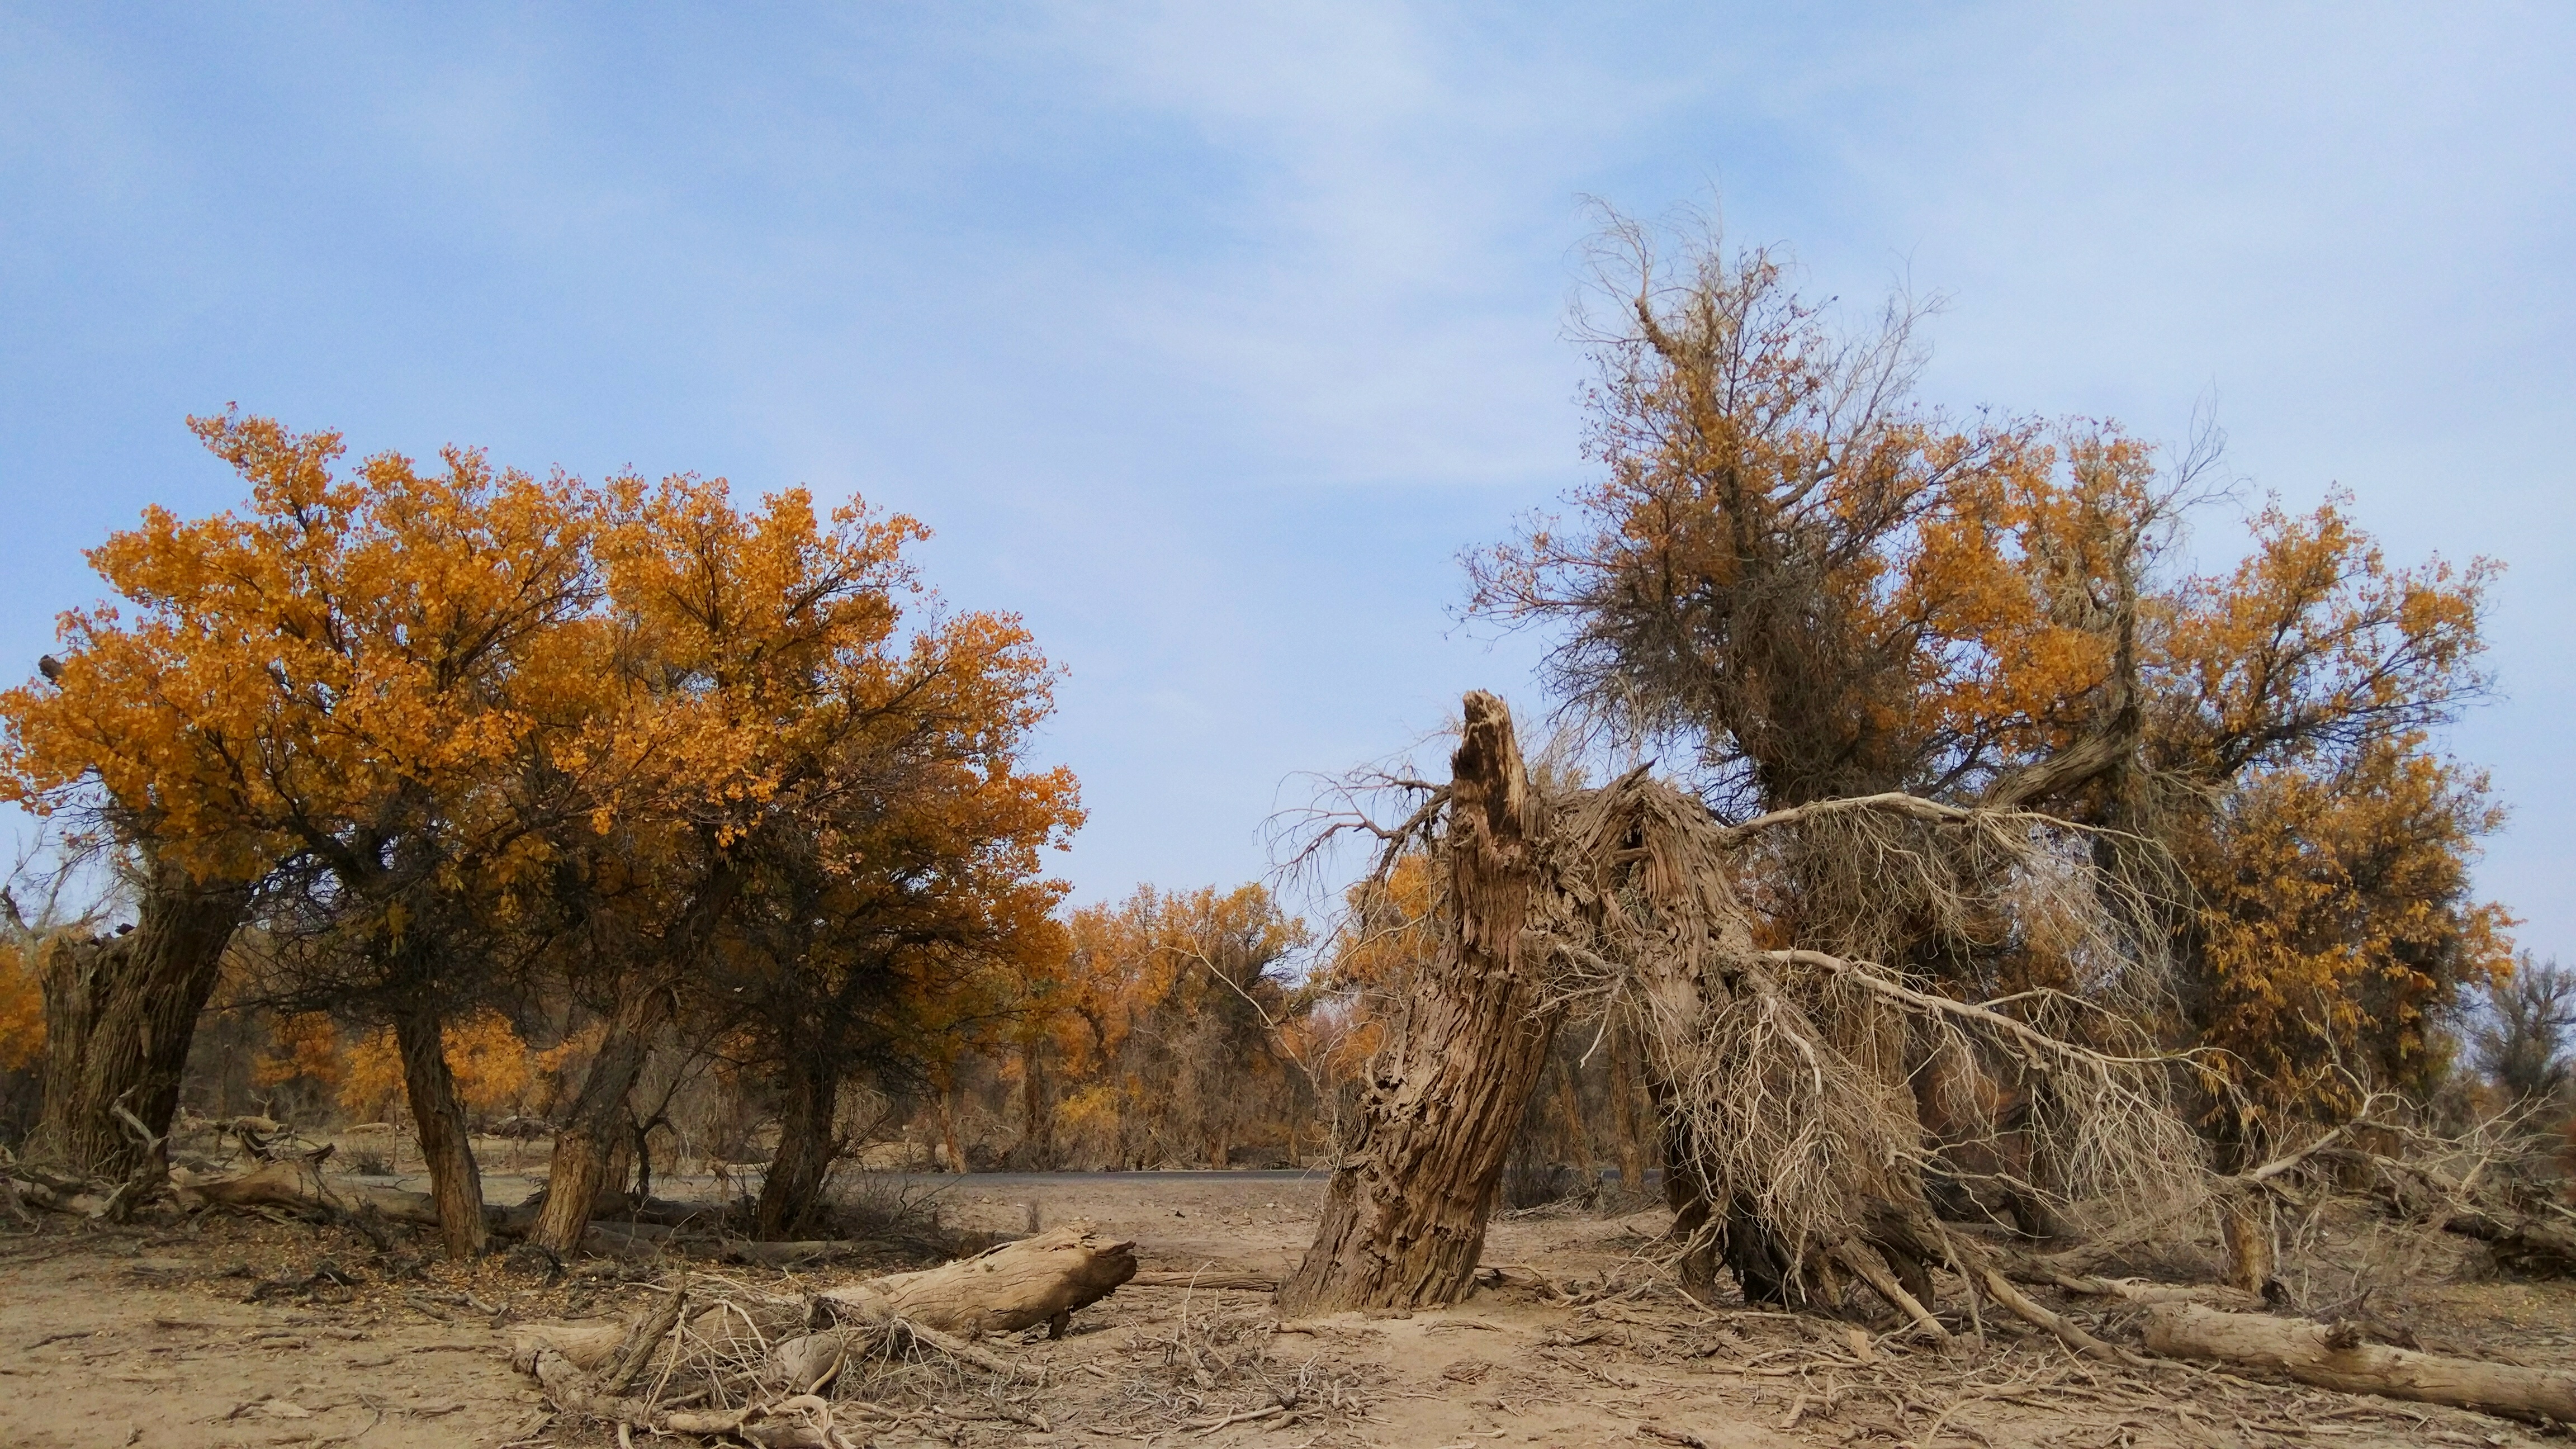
x,y
2524,1240
2314,1353
637,1348
2140,1290
2021,1306
1864,1260
1001,1290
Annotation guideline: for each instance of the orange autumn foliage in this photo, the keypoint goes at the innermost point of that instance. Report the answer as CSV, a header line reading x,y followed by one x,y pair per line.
x,y
22,1010
493,1067
1790,570
1173,1024
306,1046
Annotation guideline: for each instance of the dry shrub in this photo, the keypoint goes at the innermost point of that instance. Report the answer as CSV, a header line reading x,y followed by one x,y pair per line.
x,y
1791,1069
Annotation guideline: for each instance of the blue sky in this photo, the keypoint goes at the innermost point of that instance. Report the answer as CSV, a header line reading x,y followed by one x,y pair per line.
x,y
1206,336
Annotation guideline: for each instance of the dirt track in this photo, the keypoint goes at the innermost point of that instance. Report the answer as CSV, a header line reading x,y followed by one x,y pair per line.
x,y
112,1337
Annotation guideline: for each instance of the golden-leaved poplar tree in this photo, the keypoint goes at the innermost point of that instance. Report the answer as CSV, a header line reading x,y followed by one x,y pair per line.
x,y
1817,587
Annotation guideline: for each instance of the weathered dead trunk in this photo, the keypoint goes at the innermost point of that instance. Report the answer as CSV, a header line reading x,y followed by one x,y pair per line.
x,y
446,1149
297,1184
1631,1143
2330,1356
1404,1218
804,1157
1042,1279
119,1016
600,1124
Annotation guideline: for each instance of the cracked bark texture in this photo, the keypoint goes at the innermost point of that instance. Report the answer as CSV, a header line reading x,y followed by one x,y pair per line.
x,y
1404,1219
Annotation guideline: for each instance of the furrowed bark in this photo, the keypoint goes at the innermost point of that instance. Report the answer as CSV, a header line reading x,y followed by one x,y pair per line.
x,y
577,1174
1623,1108
795,1180
1404,1218
455,1183
2245,1222
119,1016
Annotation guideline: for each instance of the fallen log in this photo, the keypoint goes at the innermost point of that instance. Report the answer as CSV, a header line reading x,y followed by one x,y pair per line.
x,y
298,1185
1043,1279
2333,1357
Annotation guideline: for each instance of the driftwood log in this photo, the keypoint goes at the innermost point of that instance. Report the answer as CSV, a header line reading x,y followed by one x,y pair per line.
x,y
2333,1357
1042,1279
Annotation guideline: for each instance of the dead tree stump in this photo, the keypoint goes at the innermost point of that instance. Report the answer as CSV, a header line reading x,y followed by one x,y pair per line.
x,y
1404,1219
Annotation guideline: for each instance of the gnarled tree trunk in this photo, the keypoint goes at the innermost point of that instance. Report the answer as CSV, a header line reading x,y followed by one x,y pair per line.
x,y
455,1183
805,1149
587,1142
119,1015
1404,1219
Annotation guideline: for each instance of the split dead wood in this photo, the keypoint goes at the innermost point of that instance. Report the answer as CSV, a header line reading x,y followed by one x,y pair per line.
x,y
2334,1357
2023,1307
1865,1261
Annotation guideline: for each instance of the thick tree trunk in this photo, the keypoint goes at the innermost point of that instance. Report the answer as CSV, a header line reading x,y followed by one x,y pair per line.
x,y
446,1148
1404,1219
119,1015
599,1124
2330,1357
795,1180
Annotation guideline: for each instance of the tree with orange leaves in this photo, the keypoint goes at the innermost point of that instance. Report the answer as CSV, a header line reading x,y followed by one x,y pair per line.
x,y
1820,589
475,733
339,692
1173,1027
753,650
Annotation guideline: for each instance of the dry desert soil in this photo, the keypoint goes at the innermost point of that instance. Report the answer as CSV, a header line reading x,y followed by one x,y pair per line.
x,y
223,1329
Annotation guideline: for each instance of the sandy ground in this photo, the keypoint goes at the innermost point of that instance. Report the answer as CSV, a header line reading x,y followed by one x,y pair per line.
x,y
147,1336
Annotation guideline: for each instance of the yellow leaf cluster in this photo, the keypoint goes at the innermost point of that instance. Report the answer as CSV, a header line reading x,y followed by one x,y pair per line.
x,y
22,1010
305,1046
